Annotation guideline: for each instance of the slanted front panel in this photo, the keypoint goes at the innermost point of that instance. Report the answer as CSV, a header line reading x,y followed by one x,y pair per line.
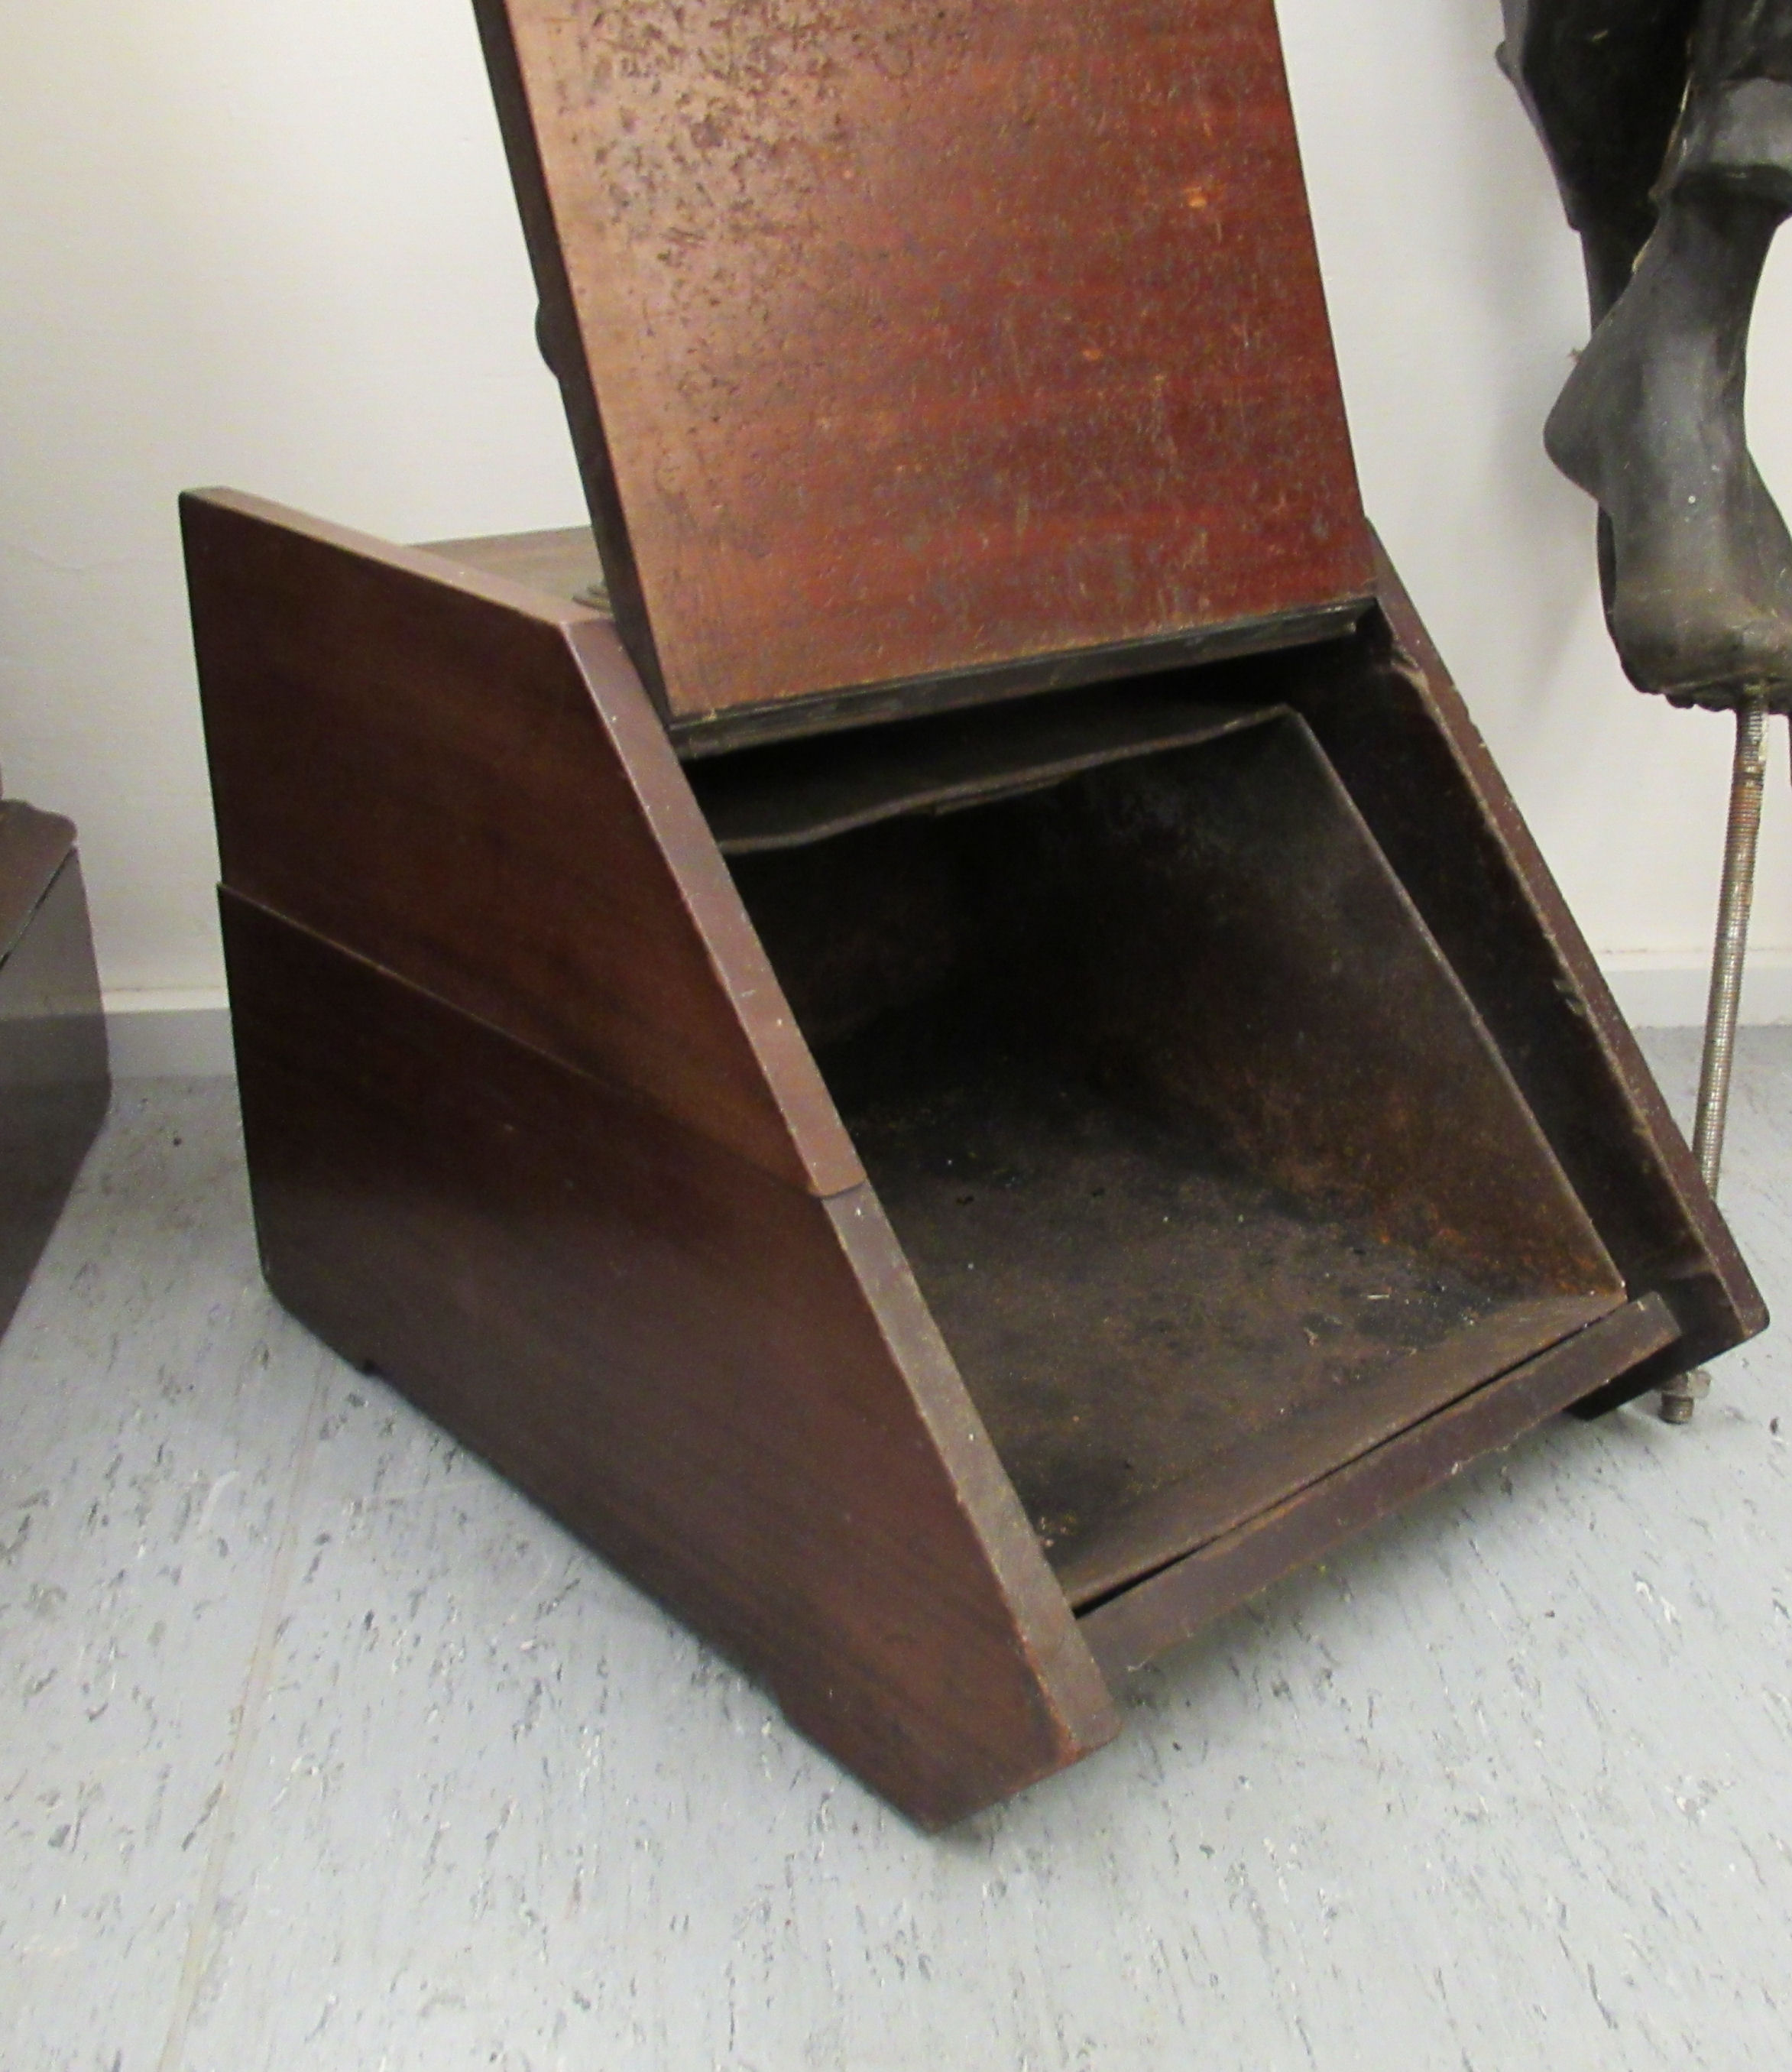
x,y
903,340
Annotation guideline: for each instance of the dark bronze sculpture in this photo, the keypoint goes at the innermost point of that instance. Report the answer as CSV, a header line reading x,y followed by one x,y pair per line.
x,y
1669,126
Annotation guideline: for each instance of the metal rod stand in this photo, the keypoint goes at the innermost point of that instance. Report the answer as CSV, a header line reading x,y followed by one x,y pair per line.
x,y
1748,783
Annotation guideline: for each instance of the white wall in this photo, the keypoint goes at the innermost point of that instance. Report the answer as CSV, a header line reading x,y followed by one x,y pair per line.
x,y
274,245
271,245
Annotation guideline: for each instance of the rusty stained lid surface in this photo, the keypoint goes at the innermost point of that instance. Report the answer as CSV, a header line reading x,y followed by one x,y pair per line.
x,y
928,338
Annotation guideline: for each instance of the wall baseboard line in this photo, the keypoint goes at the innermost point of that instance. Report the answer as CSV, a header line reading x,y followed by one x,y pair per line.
x,y
1658,989
172,1035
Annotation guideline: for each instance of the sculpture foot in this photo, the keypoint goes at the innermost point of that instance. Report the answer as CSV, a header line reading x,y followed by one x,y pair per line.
x,y
1650,424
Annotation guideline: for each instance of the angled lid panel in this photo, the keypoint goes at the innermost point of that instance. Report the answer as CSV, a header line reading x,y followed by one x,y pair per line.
x,y
905,341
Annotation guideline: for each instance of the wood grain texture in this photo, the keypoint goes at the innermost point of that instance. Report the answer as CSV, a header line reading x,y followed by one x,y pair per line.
x,y
1139,1624
54,1085
904,341
729,1389
460,779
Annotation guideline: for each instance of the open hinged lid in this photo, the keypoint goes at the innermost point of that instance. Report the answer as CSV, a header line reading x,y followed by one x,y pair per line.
x,y
921,353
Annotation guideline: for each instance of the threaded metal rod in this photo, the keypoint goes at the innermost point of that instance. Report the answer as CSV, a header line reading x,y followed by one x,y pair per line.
x,y
1748,782
1742,840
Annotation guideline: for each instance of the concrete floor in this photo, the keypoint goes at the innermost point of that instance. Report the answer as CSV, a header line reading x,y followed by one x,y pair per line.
x,y
319,1748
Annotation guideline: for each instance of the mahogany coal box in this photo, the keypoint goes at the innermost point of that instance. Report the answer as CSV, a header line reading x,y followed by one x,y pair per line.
x,y
939,1035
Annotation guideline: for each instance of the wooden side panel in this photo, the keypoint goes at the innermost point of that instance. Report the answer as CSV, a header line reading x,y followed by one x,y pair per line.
x,y
54,1087
910,338
33,846
728,1387
462,780
1395,728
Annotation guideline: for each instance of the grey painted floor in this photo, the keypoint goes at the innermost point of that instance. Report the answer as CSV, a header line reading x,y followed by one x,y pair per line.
x,y
318,1748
